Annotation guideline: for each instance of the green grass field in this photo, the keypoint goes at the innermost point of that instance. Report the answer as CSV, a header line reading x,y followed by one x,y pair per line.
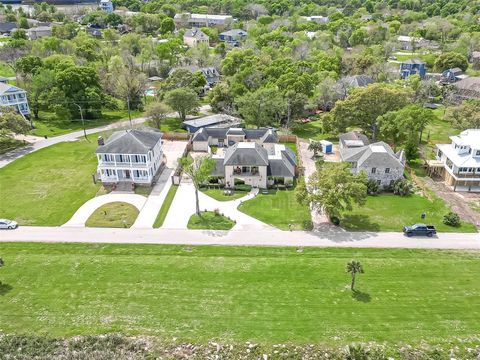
x,y
266,294
114,215
49,124
219,194
278,208
46,187
170,124
162,214
388,212
209,220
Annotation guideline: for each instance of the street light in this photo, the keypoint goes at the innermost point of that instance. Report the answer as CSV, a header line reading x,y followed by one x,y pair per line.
x,y
83,121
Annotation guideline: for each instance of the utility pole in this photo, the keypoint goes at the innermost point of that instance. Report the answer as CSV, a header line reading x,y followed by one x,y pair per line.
x,y
83,121
129,114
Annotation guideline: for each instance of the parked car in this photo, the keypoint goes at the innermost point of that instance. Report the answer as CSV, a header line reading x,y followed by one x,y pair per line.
x,y
8,224
420,230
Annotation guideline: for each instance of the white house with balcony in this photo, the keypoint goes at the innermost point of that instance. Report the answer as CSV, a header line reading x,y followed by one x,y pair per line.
x,y
459,162
132,156
15,97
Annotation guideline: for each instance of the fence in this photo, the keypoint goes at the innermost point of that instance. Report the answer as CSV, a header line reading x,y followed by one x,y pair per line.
x,y
173,136
287,138
177,175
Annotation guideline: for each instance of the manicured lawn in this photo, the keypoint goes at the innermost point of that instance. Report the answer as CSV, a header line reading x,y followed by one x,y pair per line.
x,y
219,194
162,214
264,294
312,130
390,213
6,70
210,220
278,208
46,187
49,124
171,124
114,215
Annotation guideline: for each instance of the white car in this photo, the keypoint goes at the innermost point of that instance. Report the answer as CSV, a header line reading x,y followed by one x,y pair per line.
x,y
8,224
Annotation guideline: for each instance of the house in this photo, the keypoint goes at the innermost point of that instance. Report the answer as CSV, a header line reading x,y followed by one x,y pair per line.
x,y
14,96
106,5
211,121
349,82
233,37
319,19
459,162
476,60
413,67
7,27
452,75
39,32
133,156
193,37
202,20
377,160
468,88
411,43
251,155
212,76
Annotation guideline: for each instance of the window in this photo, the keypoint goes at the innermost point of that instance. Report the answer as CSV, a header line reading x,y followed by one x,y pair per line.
x,y
387,171
392,182
374,170
477,153
379,182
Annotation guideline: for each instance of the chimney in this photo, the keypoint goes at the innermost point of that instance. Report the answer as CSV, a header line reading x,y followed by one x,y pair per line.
x,y
100,141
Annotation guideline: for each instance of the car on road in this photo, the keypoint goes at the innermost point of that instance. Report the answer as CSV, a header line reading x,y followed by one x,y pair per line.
x,y
8,224
420,230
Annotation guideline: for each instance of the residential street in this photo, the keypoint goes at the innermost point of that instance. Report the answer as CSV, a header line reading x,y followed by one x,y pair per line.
x,y
327,238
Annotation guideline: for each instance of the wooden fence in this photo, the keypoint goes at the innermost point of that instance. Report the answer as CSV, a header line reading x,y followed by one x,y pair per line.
x,y
173,136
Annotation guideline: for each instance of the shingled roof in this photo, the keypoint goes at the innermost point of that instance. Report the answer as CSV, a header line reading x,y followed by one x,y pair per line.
x,y
247,154
378,154
130,142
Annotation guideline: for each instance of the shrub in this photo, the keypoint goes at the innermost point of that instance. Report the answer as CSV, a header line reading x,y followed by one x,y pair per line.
x,y
452,219
372,187
243,187
411,150
402,187
335,220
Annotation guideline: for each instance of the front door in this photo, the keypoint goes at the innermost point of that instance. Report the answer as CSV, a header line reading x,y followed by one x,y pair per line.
x,y
127,174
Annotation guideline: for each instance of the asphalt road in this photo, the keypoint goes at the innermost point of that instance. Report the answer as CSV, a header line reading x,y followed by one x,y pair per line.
x,y
332,237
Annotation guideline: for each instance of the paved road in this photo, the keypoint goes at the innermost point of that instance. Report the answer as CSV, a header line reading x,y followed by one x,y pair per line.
x,y
13,155
326,238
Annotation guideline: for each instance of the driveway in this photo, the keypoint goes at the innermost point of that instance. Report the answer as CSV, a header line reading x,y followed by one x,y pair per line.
x,y
332,238
183,207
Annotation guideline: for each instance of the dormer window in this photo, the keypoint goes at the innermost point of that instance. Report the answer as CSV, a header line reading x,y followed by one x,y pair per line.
x,y
477,153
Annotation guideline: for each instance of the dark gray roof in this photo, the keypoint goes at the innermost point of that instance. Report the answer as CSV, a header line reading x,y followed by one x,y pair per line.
x,y
216,119
357,80
7,27
130,142
290,156
378,154
248,154
234,32
353,139
277,167
235,131
196,33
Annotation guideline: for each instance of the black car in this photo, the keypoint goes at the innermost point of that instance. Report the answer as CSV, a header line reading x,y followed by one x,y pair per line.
x,y
420,230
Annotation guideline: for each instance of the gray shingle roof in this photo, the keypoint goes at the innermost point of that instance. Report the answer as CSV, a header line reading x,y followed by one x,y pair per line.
x,y
378,154
216,119
130,142
196,33
353,139
5,89
234,32
357,80
7,27
414,61
250,134
247,154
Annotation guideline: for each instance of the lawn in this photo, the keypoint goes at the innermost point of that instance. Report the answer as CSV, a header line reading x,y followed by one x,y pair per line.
x,y
278,208
162,214
49,124
389,212
264,294
219,194
6,70
312,130
210,220
170,124
114,215
46,187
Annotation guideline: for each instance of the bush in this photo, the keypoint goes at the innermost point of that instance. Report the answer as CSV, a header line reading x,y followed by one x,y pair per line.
x,y
411,150
335,220
243,187
372,187
402,187
452,219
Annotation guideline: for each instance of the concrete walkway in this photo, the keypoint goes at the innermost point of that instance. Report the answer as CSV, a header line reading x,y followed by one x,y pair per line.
x,y
81,215
183,207
332,238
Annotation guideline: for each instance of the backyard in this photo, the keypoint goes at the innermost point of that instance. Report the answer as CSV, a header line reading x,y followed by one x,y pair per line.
x,y
266,295
278,208
46,187
389,212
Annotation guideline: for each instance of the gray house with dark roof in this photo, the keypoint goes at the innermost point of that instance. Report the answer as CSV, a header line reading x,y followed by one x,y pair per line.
x,y
251,155
133,156
377,160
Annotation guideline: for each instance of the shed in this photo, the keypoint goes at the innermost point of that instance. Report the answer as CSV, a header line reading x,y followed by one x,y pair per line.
x,y
327,146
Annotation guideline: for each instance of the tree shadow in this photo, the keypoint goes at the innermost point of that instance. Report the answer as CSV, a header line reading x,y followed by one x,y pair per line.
x,y
359,222
4,288
361,296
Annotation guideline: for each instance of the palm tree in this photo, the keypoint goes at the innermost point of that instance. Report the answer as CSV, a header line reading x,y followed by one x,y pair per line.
x,y
354,267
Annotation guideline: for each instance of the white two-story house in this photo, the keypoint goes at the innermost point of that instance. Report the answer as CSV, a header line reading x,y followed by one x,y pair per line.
x,y
459,162
133,156
15,97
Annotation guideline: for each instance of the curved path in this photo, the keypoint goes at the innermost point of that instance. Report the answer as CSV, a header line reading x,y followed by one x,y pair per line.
x,y
86,210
